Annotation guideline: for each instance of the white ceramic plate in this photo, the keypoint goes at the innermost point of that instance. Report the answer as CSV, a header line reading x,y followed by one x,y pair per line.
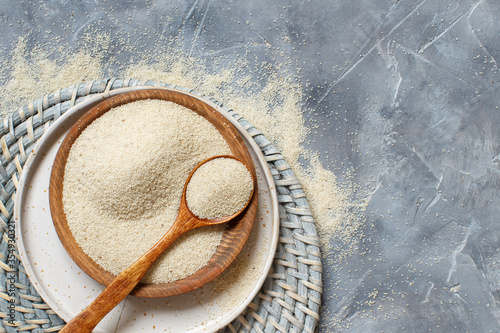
x,y
68,290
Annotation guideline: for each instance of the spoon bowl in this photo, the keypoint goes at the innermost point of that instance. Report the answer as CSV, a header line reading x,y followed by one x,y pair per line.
x,y
236,233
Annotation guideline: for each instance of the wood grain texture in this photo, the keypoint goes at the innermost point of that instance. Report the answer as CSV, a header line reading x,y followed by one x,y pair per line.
x,y
235,235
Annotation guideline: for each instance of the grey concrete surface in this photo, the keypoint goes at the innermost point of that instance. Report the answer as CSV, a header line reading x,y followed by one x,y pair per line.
x,y
406,93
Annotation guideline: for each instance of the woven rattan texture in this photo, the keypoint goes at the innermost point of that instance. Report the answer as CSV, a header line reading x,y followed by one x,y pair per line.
x,y
291,296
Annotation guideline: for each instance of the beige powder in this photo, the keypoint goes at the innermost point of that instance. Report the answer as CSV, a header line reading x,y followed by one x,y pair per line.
x,y
218,188
32,73
123,183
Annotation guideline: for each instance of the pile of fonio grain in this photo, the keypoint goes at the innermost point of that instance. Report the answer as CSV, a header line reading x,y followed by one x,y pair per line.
x,y
123,184
272,105
220,187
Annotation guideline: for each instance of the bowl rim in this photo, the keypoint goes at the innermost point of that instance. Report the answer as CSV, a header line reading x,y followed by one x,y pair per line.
x,y
239,229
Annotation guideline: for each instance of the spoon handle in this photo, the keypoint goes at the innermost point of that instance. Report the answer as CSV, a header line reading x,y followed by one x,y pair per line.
x,y
124,283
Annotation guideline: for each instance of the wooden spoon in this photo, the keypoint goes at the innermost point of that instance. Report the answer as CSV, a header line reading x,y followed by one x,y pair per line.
x,y
125,282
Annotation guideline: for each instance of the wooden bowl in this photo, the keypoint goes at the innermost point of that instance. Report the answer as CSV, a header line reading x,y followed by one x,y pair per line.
x,y
235,235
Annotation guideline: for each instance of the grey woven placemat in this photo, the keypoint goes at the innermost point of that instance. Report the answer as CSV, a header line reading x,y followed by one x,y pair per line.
x,y
290,299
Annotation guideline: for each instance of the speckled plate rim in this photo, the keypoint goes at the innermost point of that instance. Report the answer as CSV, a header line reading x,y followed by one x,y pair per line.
x,y
215,324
